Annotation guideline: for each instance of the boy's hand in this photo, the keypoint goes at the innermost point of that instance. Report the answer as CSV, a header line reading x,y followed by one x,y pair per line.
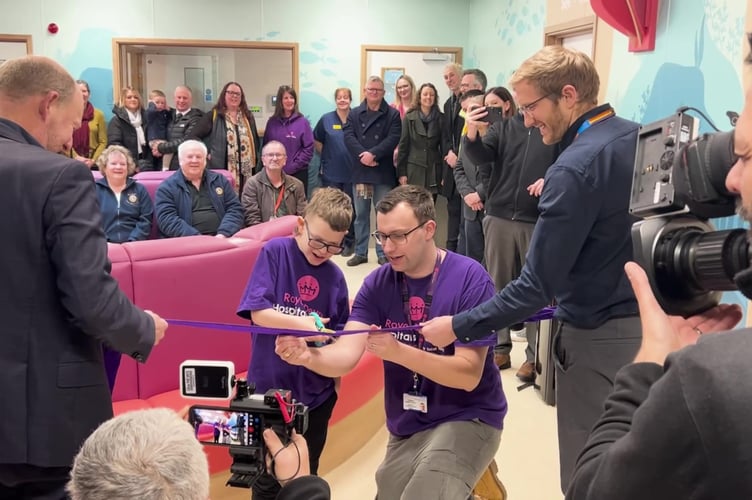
x,y
292,350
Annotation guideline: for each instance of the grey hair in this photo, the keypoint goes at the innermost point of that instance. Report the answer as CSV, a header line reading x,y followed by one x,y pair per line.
x,y
190,144
146,454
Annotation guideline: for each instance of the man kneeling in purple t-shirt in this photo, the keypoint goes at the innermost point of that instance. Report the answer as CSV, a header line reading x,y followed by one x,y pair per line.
x,y
444,407
293,278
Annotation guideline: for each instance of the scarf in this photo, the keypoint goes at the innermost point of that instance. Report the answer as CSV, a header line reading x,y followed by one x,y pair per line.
x,y
81,134
431,116
241,149
135,119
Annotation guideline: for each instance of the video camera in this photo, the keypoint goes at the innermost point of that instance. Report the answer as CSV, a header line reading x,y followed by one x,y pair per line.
x,y
241,424
679,183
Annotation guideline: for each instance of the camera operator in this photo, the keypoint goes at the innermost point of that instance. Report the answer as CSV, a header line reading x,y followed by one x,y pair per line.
x,y
154,455
676,425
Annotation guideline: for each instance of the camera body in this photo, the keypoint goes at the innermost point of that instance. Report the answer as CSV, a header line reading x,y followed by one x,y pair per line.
x,y
241,423
678,184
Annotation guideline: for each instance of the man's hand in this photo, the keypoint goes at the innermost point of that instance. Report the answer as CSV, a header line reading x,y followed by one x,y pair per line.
x,y
292,350
368,159
382,344
451,158
536,188
291,461
475,123
160,326
402,180
663,334
438,331
473,201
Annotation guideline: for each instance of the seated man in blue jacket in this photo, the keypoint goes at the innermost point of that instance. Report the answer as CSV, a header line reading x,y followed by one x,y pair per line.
x,y
195,200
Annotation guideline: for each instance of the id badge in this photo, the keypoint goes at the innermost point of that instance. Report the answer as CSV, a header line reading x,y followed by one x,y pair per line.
x,y
414,402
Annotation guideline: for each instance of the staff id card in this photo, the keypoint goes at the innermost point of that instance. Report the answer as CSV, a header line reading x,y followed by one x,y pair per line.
x,y
414,402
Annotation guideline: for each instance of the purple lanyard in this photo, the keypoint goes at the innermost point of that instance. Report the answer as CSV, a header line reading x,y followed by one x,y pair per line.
x,y
426,310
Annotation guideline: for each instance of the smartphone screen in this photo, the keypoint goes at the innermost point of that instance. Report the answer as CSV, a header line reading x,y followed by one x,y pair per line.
x,y
494,115
222,427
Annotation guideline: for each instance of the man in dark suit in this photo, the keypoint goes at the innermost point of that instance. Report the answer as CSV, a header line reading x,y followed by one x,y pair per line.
x,y
58,302
454,124
180,128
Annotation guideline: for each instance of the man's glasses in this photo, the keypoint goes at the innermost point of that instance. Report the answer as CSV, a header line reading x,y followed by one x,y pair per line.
x,y
233,93
396,238
317,244
274,155
374,91
529,108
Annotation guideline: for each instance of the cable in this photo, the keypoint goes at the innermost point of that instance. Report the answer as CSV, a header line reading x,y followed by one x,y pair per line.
x,y
297,450
688,108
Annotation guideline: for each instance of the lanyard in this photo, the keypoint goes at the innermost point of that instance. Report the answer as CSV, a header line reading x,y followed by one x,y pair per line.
x,y
592,121
279,199
426,310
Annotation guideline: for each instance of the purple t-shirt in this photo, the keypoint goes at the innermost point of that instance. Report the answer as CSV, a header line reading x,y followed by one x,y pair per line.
x,y
282,279
461,284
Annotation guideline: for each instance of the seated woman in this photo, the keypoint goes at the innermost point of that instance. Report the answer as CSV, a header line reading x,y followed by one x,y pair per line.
x,y
128,128
126,207
229,132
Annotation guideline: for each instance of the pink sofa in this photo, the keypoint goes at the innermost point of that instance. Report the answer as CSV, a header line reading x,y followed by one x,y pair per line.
x,y
201,278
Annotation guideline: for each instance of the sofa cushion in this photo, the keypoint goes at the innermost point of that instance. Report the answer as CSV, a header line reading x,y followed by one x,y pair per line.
x,y
283,226
198,278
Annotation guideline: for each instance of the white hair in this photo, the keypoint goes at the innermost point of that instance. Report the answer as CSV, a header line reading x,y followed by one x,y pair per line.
x,y
191,144
146,454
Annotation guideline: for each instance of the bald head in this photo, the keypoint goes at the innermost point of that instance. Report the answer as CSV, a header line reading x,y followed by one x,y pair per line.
x,y
183,98
39,95
35,75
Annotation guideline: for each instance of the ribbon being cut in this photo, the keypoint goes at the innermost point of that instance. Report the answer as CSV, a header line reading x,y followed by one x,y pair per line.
x,y
543,314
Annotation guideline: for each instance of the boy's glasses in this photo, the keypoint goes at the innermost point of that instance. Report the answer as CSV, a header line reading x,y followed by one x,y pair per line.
x,y
317,244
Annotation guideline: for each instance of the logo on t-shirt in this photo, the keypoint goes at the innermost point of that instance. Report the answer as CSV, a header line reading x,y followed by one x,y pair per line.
x,y
417,309
308,288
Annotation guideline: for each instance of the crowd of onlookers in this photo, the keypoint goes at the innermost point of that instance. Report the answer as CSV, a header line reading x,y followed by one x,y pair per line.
x,y
364,151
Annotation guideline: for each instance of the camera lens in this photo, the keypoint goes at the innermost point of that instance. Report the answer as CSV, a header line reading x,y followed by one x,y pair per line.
x,y
690,262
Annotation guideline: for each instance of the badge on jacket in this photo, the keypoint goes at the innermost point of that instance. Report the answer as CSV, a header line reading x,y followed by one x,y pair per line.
x,y
133,198
219,191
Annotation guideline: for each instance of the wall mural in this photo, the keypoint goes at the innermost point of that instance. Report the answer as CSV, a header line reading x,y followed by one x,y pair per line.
x,y
699,66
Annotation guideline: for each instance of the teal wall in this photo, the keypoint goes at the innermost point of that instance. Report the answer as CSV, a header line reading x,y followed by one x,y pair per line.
x,y
329,33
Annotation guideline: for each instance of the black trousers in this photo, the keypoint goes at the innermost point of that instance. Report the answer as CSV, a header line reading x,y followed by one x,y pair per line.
x,y
29,482
267,487
302,175
454,219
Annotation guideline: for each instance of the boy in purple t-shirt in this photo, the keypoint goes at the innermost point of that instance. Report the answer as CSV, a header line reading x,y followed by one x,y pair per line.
x,y
293,278
444,407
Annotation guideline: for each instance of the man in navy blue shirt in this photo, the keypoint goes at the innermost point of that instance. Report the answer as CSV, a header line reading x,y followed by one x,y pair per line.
x,y
579,246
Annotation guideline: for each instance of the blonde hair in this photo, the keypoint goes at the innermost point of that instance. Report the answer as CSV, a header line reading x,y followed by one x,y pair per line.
x,y
553,67
124,93
35,75
413,91
105,156
333,206
156,93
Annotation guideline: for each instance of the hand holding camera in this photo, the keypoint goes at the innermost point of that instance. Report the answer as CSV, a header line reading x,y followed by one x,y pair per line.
x,y
286,461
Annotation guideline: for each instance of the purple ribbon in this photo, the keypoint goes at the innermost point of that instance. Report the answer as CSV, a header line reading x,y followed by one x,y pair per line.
x,y
543,314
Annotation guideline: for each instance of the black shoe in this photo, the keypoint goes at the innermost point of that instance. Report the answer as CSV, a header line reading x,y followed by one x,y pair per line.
x,y
383,260
348,251
357,260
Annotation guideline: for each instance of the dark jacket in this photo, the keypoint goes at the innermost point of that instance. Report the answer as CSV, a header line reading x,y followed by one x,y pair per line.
x,y
212,130
510,158
120,132
453,124
174,206
131,220
379,133
582,238
467,180
58,304
178,131
259,198
420,155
